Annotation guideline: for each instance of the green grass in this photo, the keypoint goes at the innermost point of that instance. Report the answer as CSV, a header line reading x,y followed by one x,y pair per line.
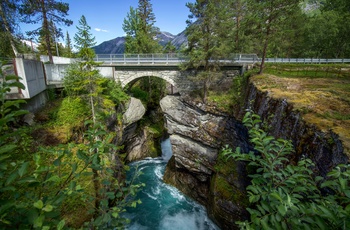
x,y
320,92
309,70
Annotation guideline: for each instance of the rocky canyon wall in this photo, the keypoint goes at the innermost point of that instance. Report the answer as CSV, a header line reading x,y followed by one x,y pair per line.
x,y
282,121
198,134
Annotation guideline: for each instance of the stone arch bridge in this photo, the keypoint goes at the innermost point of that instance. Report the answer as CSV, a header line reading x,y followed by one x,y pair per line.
x,y
127,69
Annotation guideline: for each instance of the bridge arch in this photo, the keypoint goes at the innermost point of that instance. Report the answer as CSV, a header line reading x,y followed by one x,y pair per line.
x,y
127,76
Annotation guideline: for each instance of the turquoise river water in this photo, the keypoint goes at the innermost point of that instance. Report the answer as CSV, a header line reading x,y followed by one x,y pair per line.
x,y
163,206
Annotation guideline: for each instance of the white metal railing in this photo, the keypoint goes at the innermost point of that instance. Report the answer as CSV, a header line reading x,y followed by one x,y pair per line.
x,y
176,59
307,60
165,59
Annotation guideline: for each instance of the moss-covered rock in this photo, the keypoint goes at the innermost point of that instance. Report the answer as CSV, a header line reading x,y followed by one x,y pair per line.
x,y
228,197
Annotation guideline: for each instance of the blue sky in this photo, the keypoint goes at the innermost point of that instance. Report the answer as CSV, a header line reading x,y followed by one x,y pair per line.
x,y
106,16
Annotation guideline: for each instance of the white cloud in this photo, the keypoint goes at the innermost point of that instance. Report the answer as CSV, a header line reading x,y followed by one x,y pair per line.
x,y
101,30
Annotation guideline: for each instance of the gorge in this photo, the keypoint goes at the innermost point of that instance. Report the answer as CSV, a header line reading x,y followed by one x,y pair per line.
x,y
198,133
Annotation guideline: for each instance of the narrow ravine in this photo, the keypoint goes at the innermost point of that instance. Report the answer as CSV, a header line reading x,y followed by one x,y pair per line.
x,y
164,207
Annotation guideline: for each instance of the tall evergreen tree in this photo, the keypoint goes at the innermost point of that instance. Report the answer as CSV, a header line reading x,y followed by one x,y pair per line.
x,y
267,18
45,11
86,73
169,48
131,27
42,47
140,30
68,49
207,35
234,16
84,40
140,38
9,20
339,11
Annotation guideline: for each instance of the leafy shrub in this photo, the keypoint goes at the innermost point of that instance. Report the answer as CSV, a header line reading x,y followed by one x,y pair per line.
x,y
285,196
140,94
73,111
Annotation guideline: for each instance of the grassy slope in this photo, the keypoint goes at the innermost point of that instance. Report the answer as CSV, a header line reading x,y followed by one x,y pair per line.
x,y
320,92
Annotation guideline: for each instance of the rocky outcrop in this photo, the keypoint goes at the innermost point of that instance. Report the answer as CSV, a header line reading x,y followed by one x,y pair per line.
x,y
134,112
138,141
197,136
323,148
140,138
198,133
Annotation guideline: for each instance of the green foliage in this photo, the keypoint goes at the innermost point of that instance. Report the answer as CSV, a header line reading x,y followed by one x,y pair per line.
x,y
169,48
9,18
113,91
206,40
73,112
84,40
228,100
140,94
7,114
285,196
35,188
68,47
48,13
140,30
33,192
78,80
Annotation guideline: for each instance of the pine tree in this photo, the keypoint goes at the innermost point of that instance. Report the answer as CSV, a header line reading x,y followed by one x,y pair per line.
x,y
84,40
131,27
8,19
54,46
45,11
169,48
267,18
68,48
140,38
207,34
42,47
140,30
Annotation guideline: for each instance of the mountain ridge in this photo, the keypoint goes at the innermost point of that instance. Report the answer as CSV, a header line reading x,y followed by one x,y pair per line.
x,y
117,45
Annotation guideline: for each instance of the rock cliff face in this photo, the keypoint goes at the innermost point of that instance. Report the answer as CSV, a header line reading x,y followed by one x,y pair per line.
x,y
138,141
323,148
197,135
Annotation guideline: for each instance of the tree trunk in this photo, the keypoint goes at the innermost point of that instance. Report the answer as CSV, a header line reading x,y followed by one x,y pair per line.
x,y
46,30
238,24
262,65
97,195
7,28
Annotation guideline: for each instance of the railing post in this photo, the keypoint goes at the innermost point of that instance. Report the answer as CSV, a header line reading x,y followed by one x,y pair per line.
x,y
167,59
153,59
110,58
97,57
124,59
138,59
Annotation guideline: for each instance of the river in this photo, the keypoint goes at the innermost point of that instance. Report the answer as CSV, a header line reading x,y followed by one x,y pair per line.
x,y
163,206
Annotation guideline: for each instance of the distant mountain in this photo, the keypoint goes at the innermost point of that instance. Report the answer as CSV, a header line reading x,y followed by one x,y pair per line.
x,y
179,40
117,45
164,37
114,46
